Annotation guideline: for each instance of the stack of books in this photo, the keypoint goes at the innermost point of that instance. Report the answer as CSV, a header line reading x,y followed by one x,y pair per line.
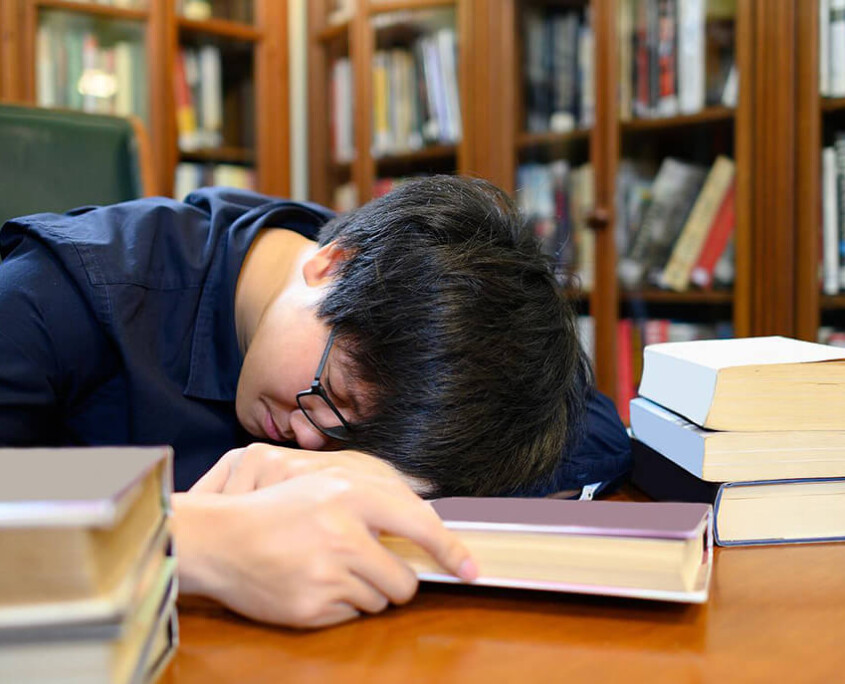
x,y
87,575
754,426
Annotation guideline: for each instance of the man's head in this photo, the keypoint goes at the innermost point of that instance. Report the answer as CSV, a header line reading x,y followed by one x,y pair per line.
x,y
449,313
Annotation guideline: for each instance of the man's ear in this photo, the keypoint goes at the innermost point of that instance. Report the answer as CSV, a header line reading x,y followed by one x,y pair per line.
x,y
321,267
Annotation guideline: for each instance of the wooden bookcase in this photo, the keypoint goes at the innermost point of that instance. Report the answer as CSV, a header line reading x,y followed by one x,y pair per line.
x,y
255,47
371,26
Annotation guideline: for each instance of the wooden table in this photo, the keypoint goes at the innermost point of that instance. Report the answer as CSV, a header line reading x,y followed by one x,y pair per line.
x,y
775,614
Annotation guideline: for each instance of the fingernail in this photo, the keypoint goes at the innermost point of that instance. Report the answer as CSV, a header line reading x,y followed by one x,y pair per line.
x,y
468,570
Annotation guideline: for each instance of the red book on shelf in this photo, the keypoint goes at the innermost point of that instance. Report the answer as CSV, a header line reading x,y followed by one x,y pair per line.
x,y
716,241
625,369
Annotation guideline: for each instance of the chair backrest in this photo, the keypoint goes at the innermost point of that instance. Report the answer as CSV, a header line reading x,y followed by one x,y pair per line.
x,y
55,160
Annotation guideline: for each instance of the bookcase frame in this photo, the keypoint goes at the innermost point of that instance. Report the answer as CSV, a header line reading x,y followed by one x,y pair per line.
x,y
268,35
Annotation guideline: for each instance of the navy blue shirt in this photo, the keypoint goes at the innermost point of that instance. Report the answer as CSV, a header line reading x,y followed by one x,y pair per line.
x,y
117,327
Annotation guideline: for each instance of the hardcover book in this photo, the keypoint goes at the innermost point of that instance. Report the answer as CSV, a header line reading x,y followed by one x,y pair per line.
x,y
728,456
749,384
75,546
752,512
633,549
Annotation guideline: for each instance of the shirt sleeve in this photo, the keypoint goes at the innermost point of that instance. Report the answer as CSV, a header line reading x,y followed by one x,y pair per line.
x,y
49,344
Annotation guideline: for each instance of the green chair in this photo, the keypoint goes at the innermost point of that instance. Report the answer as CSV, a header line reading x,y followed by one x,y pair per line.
x,y
55,160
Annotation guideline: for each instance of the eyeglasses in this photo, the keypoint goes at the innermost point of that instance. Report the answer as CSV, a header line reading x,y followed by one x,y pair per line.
x,y
319,409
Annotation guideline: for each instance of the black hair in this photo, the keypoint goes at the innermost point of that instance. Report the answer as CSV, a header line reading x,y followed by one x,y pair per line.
x,y
451,314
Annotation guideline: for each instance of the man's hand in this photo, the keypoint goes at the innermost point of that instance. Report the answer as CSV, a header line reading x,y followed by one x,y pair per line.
x,y
305,552
262,465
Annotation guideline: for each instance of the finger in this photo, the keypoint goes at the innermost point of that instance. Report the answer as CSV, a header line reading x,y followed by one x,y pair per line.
x,y
414,519
338,612
387,575
243,473
215,479
364,597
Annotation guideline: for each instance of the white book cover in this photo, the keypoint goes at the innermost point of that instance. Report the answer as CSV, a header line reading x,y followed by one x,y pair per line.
x,y
682,375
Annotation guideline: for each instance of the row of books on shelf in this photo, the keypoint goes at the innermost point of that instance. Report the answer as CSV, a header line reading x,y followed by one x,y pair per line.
x,y
676,56
676,231
832,48
190,176
198,93
558,69
555,199
78,68
416,101
755,427
88,578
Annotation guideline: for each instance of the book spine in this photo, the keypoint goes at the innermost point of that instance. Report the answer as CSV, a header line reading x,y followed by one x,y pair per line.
x,y
447,49
641,103
691,56
830,223
381,123
625,29
186,117
676,275
824,48
717,240
667,103
586,75
836,44
653,41
839,147
625,376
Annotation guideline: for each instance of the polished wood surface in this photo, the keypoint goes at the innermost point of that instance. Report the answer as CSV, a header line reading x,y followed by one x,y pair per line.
x,y
775,614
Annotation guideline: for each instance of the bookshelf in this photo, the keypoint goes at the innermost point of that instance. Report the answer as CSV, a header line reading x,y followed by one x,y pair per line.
x,y
618,317
126,56
391,76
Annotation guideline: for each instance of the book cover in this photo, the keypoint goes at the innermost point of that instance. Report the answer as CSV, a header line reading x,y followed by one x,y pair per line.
x,y
631,549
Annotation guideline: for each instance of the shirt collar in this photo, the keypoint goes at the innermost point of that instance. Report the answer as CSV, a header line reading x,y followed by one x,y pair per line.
x,y
216,359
